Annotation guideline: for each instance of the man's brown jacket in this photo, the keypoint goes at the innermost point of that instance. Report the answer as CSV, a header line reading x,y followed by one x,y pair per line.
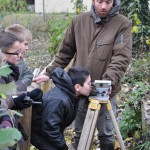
x,y
105,49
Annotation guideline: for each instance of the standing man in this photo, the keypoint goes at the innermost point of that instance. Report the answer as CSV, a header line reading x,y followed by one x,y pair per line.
x,y
101,41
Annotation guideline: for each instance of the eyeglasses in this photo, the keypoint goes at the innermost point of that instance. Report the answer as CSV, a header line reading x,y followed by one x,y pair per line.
x,y
15,53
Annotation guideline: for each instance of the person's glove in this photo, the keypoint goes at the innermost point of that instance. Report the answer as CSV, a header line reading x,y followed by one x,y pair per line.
x,y
5,124
36,95
20,102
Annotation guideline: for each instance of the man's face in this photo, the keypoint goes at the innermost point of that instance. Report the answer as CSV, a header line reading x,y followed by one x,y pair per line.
x,y
102,7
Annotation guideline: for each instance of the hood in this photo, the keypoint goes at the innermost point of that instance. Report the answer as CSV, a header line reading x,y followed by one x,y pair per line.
x,y
62,80
116,8
113,12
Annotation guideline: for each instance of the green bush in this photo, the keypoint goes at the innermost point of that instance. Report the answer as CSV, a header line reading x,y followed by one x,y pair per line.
x,y
12,6
137,85
58,26
78,5
131,121
138,12
138,70
143,146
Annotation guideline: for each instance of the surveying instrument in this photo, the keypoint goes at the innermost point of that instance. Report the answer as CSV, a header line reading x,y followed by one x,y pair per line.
x,y
102,97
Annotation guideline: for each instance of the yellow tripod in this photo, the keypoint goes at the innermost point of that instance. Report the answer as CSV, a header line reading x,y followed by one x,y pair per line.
x,y
90,122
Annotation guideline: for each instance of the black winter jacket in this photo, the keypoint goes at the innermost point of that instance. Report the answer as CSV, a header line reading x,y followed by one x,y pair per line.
x,y
58,112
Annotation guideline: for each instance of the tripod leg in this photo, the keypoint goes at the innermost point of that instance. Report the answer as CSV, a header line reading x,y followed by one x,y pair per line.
x,y
92,130
119,137
88,130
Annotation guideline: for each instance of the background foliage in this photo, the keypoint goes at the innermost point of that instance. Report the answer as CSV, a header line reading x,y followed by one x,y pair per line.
x,y
57,30
137,82
138,12
12,6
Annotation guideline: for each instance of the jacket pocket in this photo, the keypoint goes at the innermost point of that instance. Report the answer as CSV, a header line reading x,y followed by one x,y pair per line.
x,y
103,50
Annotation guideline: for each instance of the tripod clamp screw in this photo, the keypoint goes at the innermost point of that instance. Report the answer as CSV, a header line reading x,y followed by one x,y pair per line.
x,y
94,104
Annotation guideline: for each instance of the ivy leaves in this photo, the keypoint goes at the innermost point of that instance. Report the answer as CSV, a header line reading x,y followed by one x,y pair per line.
x,y
9,137
6,89
138,12
5,71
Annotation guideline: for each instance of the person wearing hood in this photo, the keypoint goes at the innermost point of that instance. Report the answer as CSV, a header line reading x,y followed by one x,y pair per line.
x,y
100,40
59,108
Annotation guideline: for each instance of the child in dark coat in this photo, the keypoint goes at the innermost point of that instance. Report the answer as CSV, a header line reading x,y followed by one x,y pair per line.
x,y
59,108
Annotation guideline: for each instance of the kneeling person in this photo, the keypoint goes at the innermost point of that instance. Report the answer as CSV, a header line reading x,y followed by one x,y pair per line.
x,y
59,108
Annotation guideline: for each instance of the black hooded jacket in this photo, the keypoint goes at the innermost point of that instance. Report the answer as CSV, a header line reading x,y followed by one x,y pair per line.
x,y
58,112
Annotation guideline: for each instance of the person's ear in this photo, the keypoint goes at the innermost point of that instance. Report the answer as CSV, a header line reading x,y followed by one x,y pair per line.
x,y
77,87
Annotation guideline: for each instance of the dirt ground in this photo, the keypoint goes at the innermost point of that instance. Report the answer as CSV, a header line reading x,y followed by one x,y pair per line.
x,y
38,55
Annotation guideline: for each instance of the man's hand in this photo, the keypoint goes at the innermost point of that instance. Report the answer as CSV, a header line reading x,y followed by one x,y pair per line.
x,y
40,79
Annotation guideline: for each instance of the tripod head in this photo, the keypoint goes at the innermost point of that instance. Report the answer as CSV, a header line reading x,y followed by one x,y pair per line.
x,y
102,89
